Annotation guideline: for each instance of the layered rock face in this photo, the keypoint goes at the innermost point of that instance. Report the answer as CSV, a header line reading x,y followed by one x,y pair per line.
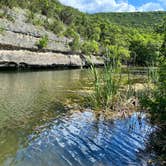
x,y
18,46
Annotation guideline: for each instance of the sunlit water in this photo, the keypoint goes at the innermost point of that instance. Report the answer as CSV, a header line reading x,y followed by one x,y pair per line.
x,y
37,130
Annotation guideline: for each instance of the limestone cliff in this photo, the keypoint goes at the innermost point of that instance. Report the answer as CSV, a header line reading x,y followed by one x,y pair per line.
x,y
18,45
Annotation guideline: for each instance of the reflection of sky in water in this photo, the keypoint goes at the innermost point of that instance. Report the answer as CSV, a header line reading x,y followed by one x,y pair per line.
x,y
83,139
31,134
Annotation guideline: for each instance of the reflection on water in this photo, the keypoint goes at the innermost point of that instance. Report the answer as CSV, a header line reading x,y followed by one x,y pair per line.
x,y
24,94
37,130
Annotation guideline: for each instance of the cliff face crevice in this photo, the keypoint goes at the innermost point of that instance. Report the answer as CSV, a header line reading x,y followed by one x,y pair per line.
x,y
19,49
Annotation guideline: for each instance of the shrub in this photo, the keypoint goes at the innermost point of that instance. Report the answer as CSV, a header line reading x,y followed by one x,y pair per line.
x,y
56,26
90,47
75,44
43,42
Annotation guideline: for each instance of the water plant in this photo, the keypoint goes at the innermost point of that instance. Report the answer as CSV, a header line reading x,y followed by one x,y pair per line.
x,y
106,87
155,102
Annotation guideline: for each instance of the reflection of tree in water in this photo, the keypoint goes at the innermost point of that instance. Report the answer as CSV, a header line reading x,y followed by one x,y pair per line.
x,y
22,94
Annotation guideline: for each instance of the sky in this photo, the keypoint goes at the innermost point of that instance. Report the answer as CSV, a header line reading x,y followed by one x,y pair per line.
x,y
95,6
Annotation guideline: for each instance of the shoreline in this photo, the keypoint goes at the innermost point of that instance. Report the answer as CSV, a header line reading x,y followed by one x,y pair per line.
x,y
28,60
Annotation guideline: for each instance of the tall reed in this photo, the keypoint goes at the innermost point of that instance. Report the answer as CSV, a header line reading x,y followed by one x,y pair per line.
x,y
106,86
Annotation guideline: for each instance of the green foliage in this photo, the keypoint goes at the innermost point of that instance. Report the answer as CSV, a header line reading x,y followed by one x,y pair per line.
x,y
95,34
43,42
163,47
67,16
161,28
90,47
2,30
162,78
70,32
2,14
136,19
8,3
155,100
116,54
75,44
32,18
106,87
144,50
56,26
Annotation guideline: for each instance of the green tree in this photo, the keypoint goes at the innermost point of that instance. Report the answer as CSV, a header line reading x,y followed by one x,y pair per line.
x,y
90,47
116,54
67,16
75,44
163,47
144,51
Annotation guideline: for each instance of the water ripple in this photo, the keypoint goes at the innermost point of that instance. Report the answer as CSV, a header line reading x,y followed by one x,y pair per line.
x,y
81,139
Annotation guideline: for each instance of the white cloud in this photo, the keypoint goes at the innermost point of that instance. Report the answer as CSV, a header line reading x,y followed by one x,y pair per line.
x,y
151,7
94,6
100,5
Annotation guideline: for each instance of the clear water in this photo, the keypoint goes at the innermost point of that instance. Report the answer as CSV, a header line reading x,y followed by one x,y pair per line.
x,y
37,130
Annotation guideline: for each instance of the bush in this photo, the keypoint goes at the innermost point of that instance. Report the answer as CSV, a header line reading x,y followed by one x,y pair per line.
x,y
144,51
75,44
56,26
43,42
90,47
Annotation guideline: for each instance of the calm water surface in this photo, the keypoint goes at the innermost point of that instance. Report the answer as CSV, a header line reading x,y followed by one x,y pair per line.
x,y
36,129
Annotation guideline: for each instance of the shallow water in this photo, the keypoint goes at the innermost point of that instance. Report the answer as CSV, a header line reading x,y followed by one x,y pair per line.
x,y
36,129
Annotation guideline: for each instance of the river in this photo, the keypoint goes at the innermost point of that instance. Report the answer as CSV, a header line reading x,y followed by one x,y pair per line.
x,y
37,129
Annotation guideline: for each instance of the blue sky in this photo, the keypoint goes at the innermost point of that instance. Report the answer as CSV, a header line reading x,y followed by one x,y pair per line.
x,y
94,6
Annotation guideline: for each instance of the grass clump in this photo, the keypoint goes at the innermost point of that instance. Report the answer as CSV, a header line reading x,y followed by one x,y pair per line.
x,y
2,30
43,42
106,87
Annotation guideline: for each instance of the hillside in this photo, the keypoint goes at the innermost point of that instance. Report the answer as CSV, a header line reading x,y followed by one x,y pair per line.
x,y
24,45
47,25
136,19
68,15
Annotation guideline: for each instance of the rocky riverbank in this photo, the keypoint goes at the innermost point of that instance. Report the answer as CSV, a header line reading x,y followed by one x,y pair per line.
x,y
23,59
18,45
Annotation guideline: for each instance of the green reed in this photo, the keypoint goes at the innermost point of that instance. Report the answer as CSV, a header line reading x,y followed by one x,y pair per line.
x,y
106,86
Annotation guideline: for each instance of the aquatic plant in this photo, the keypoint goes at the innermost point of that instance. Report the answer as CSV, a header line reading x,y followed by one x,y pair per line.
x,y
106,87
155,102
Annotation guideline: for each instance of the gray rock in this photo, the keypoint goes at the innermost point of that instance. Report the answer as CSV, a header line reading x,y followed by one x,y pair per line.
x,y
16,40
29,58
18,46
21,26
